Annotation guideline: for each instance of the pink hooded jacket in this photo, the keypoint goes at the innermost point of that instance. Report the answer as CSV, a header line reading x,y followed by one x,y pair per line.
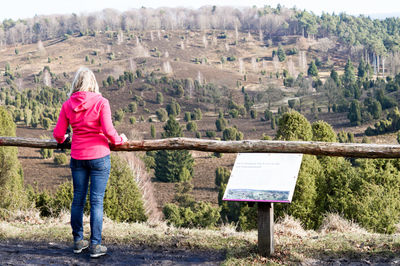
x,y
90,117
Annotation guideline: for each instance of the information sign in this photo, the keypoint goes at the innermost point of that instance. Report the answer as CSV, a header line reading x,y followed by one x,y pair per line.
x,y
263,177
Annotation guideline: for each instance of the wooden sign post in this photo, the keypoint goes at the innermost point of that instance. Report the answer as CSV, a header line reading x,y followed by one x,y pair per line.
x,y
264,178
265,228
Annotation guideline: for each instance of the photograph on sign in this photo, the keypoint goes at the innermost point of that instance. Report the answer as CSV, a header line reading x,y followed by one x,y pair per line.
x,y
264,177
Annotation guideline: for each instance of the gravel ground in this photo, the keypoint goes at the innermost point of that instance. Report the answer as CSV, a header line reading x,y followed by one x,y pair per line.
x,y
41,253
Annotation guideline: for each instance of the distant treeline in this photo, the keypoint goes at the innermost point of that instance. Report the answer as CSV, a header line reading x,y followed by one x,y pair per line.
x,y
376,36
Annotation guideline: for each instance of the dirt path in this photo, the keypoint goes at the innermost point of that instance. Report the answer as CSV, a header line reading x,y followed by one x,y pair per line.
x,y
40,253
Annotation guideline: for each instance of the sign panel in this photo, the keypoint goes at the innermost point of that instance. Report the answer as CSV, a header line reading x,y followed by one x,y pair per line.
x,y
264,177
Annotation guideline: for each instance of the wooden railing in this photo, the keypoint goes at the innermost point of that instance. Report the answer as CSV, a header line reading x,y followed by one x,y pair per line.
x,y
244,146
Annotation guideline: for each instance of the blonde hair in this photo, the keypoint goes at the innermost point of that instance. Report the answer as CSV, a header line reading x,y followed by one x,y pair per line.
x,y
84,81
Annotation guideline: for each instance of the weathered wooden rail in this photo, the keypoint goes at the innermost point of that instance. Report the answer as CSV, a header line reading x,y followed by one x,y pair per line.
x,y
268,146
265,209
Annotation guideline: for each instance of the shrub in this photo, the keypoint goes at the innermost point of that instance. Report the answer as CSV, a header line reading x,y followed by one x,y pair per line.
x,y
222,175
253,114
189,213
292,103
46,123
288,82
221,124
153,131
61,159
119,115
12,193
210,134
198,134
322,131
46,153
234,113
231,133
173,108
354,114
132,120
132,107
159,98
179,91
294,126
42,202
281,54
187,117
197,114
273,122
162,115
191,126
303,204
122,200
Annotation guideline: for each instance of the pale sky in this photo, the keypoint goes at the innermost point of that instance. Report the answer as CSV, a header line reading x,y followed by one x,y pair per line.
x,y
28,8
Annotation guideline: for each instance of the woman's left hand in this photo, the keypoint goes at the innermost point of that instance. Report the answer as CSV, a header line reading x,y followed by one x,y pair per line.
x,y
124,138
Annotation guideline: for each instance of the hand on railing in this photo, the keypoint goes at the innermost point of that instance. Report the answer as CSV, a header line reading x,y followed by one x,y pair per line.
x,y
124,138
67,140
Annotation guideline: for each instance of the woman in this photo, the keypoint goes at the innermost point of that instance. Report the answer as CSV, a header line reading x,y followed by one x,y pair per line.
x,y
89,115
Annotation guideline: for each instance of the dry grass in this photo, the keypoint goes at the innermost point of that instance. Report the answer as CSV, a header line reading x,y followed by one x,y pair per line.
x,y
143,180
334,223
337,240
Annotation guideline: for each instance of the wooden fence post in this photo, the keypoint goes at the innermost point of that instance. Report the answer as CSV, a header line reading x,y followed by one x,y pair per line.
x,y
265,228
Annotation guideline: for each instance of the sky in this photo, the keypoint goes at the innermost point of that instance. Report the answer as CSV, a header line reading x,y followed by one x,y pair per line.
x,y
28,8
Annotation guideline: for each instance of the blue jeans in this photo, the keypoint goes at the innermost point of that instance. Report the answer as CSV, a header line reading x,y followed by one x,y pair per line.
x,y
98,170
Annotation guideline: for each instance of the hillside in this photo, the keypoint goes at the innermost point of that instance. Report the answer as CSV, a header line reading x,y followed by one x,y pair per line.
x,y
218,73
178,55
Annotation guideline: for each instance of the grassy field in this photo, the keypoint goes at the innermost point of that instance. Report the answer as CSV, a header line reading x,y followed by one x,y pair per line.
x,y
337,241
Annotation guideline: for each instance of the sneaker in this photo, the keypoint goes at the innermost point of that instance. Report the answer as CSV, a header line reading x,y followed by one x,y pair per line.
x,y
80,245
97,251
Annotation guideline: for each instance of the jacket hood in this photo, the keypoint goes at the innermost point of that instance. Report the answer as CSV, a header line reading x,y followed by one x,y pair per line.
x,y
83,100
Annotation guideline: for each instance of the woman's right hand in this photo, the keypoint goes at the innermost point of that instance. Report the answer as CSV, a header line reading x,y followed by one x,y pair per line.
x,y
124,138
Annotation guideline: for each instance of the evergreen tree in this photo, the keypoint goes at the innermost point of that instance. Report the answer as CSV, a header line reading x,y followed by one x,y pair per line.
x,y
361,70
335,76
349,76
312,70
281,54
355,113
191,126
294,126
232,133
253,114
322,131
173,108
172,128
153,131
374,108
173,166
273,122
159,98
292,103
12,193
248,103
197,114
221,124
187,117
161,114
